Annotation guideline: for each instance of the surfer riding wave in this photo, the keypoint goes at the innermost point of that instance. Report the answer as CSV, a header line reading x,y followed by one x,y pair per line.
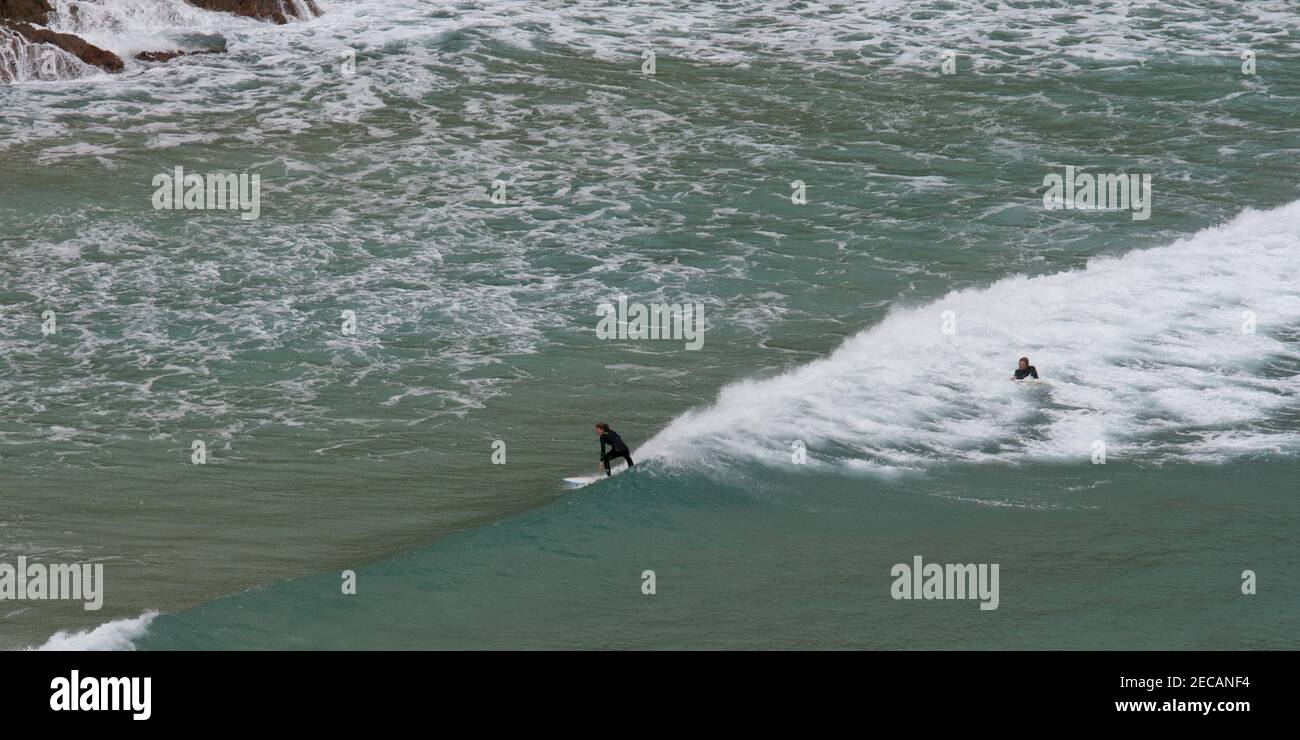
x,y
610,438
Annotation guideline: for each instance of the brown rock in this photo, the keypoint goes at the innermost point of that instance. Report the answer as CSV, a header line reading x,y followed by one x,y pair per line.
x,y
158,56
19,15
162,56
26,11
74,45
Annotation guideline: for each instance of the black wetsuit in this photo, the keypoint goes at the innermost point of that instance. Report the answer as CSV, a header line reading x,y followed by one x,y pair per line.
x,y
1022,374
617,449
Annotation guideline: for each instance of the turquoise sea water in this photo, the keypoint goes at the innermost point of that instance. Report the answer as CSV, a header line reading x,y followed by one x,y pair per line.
x,y
476,323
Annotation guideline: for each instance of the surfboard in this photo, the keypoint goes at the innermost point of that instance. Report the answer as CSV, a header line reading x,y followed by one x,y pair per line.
x,y
582,481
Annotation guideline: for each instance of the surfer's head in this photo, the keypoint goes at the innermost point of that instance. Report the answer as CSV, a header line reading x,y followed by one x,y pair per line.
x,y
601,428
1024,362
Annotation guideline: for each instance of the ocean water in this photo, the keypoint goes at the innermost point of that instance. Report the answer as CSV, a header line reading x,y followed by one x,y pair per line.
x,y
825,326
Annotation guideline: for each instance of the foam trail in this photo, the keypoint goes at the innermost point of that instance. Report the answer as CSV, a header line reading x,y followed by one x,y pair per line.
x,y
1145,352
117,635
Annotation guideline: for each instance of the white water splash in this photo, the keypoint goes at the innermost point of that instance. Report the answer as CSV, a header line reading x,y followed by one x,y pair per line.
x,y
23,61
1145,353
128,27
117,635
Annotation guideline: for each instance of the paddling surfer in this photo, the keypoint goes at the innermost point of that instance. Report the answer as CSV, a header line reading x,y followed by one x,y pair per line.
x,y
1025,370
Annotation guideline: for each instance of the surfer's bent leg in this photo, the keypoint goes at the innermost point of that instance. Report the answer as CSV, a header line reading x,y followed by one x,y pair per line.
x,y
614,455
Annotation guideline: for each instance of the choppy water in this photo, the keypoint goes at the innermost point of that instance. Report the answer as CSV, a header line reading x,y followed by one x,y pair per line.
x,y
476,323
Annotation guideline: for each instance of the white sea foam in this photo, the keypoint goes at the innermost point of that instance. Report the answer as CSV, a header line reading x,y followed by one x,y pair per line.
x,y
438,271
23,61
1020,39
120,634
1145,352
127,27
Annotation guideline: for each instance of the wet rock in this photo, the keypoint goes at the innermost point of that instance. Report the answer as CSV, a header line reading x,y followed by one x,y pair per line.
x,y
162,56
25,11
74,45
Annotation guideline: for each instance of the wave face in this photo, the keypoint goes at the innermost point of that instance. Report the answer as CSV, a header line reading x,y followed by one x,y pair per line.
x,y
1150,353
801,561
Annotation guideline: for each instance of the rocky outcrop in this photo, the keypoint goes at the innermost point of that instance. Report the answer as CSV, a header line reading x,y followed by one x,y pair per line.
x,y
27,18
162,56
25,11
37,11
74,45
268,9
20,15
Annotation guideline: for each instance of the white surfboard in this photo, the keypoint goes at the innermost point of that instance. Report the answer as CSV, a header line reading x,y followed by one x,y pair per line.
x,y
581,481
